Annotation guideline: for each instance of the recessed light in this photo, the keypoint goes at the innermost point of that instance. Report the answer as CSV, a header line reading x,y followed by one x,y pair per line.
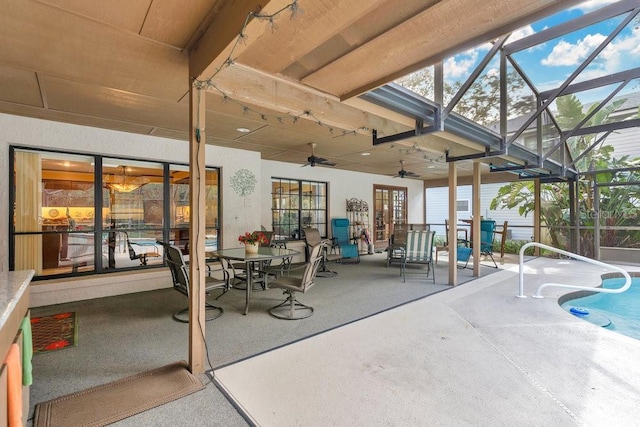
x,y
365,154
243,130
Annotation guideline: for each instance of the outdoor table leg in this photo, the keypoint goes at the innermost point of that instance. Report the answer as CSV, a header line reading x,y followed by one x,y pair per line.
x,y
249,271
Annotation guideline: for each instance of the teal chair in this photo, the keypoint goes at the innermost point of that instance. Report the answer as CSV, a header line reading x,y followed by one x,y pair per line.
x,y
419,250
341,241
487,237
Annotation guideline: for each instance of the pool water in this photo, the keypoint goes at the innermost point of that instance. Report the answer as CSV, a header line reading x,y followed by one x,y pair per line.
x,y
617,312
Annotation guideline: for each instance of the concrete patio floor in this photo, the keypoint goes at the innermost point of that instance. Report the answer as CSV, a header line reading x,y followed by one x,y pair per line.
x,y
472,355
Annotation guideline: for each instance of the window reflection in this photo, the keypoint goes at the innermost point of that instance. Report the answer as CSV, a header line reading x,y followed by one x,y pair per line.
x,y
61,226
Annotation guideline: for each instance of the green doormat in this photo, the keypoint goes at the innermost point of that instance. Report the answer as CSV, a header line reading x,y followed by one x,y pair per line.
x,y
54,332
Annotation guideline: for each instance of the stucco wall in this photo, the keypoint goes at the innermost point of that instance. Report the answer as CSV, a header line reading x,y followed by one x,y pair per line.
x,y
343,185
238,213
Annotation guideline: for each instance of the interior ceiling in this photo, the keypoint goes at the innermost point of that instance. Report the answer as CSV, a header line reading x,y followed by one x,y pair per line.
x,y
125,66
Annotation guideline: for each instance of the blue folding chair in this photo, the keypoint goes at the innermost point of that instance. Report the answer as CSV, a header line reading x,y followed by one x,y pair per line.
x,y
487,236
340,237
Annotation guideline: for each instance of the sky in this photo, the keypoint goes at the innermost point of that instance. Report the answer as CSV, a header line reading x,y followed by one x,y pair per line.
x,y
549,64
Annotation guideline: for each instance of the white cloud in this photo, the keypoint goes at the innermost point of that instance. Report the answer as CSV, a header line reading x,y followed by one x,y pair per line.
x,y
521,33
591,5
460,65
565,53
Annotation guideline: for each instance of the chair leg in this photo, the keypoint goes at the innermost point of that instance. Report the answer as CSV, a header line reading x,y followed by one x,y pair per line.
x,y
433,269
494,261
287,309
211,312
324,271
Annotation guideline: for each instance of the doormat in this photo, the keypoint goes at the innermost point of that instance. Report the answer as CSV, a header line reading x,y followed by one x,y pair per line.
x,y
54,332
108,403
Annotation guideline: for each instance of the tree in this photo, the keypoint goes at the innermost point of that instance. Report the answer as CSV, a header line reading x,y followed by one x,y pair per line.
x,y
481,102
619,206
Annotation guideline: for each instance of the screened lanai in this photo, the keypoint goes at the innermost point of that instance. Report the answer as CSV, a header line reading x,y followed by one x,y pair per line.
x,y
278,76
554,104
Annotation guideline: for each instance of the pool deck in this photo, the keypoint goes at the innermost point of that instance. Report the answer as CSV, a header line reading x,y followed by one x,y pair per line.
x,y
471,355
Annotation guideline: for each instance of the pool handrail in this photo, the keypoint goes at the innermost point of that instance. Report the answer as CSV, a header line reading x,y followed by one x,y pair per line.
x,y
521,294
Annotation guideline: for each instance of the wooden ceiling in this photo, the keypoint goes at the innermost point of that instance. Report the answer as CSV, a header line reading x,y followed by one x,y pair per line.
x,y
126,65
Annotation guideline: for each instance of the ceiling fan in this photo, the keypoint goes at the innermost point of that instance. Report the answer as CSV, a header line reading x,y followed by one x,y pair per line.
x,y
313,160
403,173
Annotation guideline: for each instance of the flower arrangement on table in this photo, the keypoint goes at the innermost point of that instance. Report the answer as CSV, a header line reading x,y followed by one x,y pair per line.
x,y
252,241
255,238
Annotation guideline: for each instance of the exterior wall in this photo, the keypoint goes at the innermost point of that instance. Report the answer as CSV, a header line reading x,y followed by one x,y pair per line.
x,y
437,210
237,213
343,185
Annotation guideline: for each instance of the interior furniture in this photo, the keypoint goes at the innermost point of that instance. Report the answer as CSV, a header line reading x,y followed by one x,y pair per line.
x,y
180,276
14,310
291,308
341,241
51,247
418,250
251,260
142,256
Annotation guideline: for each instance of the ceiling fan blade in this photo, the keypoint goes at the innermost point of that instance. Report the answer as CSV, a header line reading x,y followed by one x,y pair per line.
x,y
325,162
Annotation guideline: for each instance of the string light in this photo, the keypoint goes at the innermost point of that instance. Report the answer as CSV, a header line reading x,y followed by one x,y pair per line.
x,y
242,37
417,149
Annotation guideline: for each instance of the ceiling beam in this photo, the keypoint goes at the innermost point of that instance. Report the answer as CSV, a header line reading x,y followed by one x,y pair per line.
x,y
440,22
246,85
218,41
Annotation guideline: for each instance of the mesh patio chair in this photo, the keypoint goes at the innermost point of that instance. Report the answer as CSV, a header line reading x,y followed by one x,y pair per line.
x,y
291,308
395,250
180,276
312,238
418,250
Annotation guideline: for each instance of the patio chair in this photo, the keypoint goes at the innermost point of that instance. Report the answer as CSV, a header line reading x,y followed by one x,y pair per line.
x,y
418,250
312,238
462,237
341,241
397,243
180,276
487,237
291,308
503,237
142,256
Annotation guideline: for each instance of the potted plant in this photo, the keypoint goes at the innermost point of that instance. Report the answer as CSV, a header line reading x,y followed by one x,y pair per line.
x,y
252,241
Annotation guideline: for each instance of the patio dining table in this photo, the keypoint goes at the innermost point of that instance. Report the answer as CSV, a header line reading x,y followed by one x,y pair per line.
x,y
250,259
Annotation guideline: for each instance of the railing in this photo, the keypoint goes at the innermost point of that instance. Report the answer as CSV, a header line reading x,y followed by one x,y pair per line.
x,y
521,294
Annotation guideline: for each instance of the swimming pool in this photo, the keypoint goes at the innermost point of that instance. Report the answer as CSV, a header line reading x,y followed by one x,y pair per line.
x,y
617,312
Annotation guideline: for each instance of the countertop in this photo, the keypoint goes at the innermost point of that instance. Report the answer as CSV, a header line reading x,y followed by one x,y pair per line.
x,y
13,285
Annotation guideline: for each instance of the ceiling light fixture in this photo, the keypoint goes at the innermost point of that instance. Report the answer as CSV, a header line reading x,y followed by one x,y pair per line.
x,y
123,183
